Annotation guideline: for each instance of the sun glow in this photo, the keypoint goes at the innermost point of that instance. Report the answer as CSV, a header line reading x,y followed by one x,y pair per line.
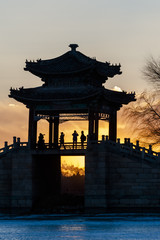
x,y
118,89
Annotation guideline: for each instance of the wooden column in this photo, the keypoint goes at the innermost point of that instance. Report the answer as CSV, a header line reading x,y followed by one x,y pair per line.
x,y
56,130
32,130
113,126
35,132
96,125
50,131
91,125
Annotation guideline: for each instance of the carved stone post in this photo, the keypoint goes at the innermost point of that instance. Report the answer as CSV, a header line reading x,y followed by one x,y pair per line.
x,y
113,126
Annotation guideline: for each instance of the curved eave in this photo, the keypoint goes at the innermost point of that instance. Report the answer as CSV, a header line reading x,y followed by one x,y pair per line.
x,y
26,100
119,97
102,75
49,74
109,96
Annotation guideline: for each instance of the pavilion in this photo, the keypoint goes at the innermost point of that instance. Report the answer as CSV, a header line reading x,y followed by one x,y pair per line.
x,y
72,90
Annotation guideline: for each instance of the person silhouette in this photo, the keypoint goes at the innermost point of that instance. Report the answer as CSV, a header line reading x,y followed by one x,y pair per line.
x,y
62,140
41,143
83,139
75,135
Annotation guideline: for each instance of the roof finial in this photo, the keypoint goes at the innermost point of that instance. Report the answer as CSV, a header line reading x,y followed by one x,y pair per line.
x,y
73,46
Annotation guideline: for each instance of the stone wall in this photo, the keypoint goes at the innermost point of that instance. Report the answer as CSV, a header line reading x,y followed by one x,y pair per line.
x,y
95,177
5,182
16,180
119,181
28,179
21,194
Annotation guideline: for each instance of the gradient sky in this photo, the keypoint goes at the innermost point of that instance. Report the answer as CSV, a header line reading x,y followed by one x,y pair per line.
x,y
117,31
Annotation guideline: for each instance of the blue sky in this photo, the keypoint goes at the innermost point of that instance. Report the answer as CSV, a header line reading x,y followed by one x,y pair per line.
x,y
118,31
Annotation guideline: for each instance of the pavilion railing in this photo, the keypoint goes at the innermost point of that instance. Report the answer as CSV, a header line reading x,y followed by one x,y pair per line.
x,y
66,146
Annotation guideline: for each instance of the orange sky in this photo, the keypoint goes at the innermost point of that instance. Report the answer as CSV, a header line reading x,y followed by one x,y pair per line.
x,y
14,122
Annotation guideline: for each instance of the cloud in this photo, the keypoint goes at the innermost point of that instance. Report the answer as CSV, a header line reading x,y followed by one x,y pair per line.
x,y
11,105
70,170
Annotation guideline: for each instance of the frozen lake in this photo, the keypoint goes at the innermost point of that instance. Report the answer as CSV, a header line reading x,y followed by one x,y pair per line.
x,y
71,227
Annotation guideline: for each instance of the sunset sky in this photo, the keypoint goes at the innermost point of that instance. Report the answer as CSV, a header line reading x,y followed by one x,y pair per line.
x,y
125,32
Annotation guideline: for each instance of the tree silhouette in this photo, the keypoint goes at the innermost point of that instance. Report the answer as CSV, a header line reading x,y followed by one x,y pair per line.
x,y
151,72
145,112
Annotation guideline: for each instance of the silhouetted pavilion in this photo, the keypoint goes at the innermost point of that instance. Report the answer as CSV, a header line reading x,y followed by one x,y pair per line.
x,y
72,90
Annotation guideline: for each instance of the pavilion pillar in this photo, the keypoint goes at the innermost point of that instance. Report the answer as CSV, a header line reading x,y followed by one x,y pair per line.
x,y
96,125
35,132
91,125
113,126
32,131
50,131
56,130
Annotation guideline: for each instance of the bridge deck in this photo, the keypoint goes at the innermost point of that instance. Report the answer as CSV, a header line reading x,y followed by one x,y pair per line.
x,y
66,149
62,152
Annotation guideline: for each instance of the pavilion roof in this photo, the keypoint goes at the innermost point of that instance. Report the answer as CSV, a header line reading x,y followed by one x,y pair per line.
x,y
72,62
59,95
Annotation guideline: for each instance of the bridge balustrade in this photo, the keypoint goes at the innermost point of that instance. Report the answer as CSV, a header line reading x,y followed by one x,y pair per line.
x,y
66,146
126,147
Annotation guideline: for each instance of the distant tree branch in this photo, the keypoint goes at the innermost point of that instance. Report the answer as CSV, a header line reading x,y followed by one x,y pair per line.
x,y
151,71
144,115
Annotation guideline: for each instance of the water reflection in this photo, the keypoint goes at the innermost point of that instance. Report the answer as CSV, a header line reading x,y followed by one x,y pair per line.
x,y
73,231
75,227
81,228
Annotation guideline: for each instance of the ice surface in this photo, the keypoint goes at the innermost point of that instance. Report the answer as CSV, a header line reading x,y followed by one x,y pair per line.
x,y
70,227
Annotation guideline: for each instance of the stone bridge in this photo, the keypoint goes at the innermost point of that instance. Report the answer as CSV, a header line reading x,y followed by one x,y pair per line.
x,y
118,176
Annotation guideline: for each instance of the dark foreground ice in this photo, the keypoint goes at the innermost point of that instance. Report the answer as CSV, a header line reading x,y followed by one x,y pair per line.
x,y
71,227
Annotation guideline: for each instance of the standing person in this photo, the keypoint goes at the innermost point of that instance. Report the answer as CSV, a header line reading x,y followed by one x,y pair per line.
x,y
83,139
75,135
62,140
41,143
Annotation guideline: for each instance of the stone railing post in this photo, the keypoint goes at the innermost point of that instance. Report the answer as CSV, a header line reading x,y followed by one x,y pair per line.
x,y
143,152
5,146
150,149
107,137
119,144
14,142
125,141
18,142
131,148
103,138
137,145
118,140
28,144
